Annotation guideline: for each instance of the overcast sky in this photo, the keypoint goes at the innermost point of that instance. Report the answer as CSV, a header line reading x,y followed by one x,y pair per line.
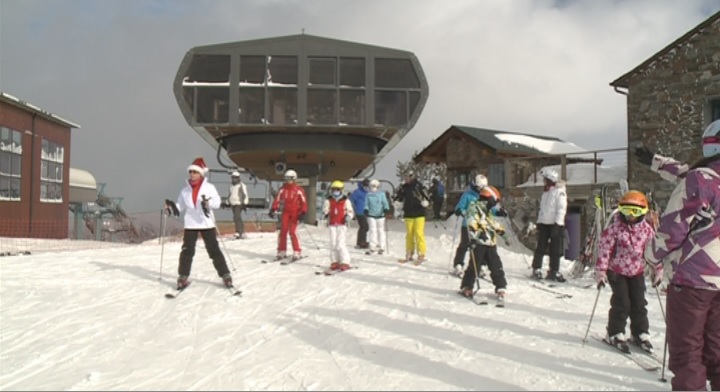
x,y
540,67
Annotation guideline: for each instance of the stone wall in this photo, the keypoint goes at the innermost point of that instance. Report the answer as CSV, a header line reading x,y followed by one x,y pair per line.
x,y
669,106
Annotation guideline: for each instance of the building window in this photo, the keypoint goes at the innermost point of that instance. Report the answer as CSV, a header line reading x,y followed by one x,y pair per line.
x,y
10,163
496,175
322,71
321,107
715,110
51,172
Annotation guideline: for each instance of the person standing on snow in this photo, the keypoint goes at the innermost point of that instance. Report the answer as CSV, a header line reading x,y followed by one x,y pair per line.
x,y
550,225
470,195
687,242
198,197
238,200
291,198
437,195
357,198
338,211
620,263
483,231
415,199
376,207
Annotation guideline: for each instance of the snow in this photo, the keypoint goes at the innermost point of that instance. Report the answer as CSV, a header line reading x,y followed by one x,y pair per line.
x,y
97,319
544,145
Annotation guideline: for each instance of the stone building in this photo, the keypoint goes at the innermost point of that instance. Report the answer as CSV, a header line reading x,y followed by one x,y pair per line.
x,y
671,98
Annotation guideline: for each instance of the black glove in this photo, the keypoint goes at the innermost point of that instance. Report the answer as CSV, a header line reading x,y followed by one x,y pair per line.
x,y
366,213
244,208
301,216
271,214
644,155
205,206
458,213
171,208
385,212
473,243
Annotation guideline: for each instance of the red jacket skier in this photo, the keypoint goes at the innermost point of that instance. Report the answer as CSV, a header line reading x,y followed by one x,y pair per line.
x,y
292,202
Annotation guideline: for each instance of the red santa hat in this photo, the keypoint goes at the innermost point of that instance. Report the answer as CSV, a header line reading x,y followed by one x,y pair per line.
x,y
199,166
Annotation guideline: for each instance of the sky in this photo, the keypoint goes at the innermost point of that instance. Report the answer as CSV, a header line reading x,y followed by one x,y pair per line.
x,y
84,315
539,67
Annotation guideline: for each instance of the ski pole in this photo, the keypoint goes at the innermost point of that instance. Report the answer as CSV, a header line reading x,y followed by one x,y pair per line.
x,y
452,247
387,235
311,237
662,309
227,254
591,315
665,350
163,224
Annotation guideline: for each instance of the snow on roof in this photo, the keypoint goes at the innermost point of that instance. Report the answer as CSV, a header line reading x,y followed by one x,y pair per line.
x,y
544,145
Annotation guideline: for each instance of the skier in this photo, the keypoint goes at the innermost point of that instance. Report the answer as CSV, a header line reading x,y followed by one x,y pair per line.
x,y
550,225
357,197
294,207
483,231
415,199
198,197
437,194
237,200
376,207
620,262
338,212
687,242
470,195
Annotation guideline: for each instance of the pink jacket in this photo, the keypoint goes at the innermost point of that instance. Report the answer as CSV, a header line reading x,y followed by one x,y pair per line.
x,y
621,247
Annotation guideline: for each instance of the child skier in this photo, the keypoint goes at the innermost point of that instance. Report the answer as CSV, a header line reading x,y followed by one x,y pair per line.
x,y
620,262
376,206
338,212
483,231
294,206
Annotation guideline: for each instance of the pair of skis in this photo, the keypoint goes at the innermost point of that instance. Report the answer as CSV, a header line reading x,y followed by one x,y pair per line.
x,y
646,361
499,302
284,261
233,292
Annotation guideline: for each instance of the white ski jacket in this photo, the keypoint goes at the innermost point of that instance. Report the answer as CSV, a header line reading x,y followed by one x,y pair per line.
x,y
194,216
238,195
553,205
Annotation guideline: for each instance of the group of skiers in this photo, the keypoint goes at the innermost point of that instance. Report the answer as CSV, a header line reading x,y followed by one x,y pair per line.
x,y
686,245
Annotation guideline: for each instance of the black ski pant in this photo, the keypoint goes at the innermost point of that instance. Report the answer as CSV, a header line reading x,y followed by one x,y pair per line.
x,y
437,206
627,300
211,245
237,218
554,235
363,228
462,247
483,254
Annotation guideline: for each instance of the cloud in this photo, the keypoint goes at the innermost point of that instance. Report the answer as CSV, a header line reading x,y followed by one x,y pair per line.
x,y
523,66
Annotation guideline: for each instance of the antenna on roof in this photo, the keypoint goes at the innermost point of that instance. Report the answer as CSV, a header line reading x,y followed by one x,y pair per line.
x,y
302,31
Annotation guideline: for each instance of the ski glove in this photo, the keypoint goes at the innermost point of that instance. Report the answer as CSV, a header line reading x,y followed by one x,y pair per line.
x,y
601,278
205,206
644,155
424,203
506,239
301,216
458,213
271,214
656,274
171,208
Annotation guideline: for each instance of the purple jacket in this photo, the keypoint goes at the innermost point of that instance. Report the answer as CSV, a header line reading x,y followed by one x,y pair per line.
x,y
689,234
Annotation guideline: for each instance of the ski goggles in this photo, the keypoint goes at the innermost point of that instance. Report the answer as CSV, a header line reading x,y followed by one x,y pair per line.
x,y
629,210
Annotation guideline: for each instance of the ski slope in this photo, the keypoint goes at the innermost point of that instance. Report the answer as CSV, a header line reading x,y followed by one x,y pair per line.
x,y
99,320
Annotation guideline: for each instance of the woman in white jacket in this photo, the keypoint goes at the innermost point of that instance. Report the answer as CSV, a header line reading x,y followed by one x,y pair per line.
x,y
550,225
198,198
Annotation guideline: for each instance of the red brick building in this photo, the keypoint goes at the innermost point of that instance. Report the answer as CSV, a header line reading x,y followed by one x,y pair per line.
x,y
34,170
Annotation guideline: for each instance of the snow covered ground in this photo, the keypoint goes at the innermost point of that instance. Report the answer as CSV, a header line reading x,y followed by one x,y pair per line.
x,y
99,320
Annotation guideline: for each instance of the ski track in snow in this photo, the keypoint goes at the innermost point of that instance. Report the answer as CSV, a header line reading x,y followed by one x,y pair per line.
x,y
89,320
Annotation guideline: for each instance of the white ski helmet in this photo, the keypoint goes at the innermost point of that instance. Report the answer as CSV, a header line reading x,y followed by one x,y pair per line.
x,y
711,139
479,181
290,175
235,174
374,184
550,174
